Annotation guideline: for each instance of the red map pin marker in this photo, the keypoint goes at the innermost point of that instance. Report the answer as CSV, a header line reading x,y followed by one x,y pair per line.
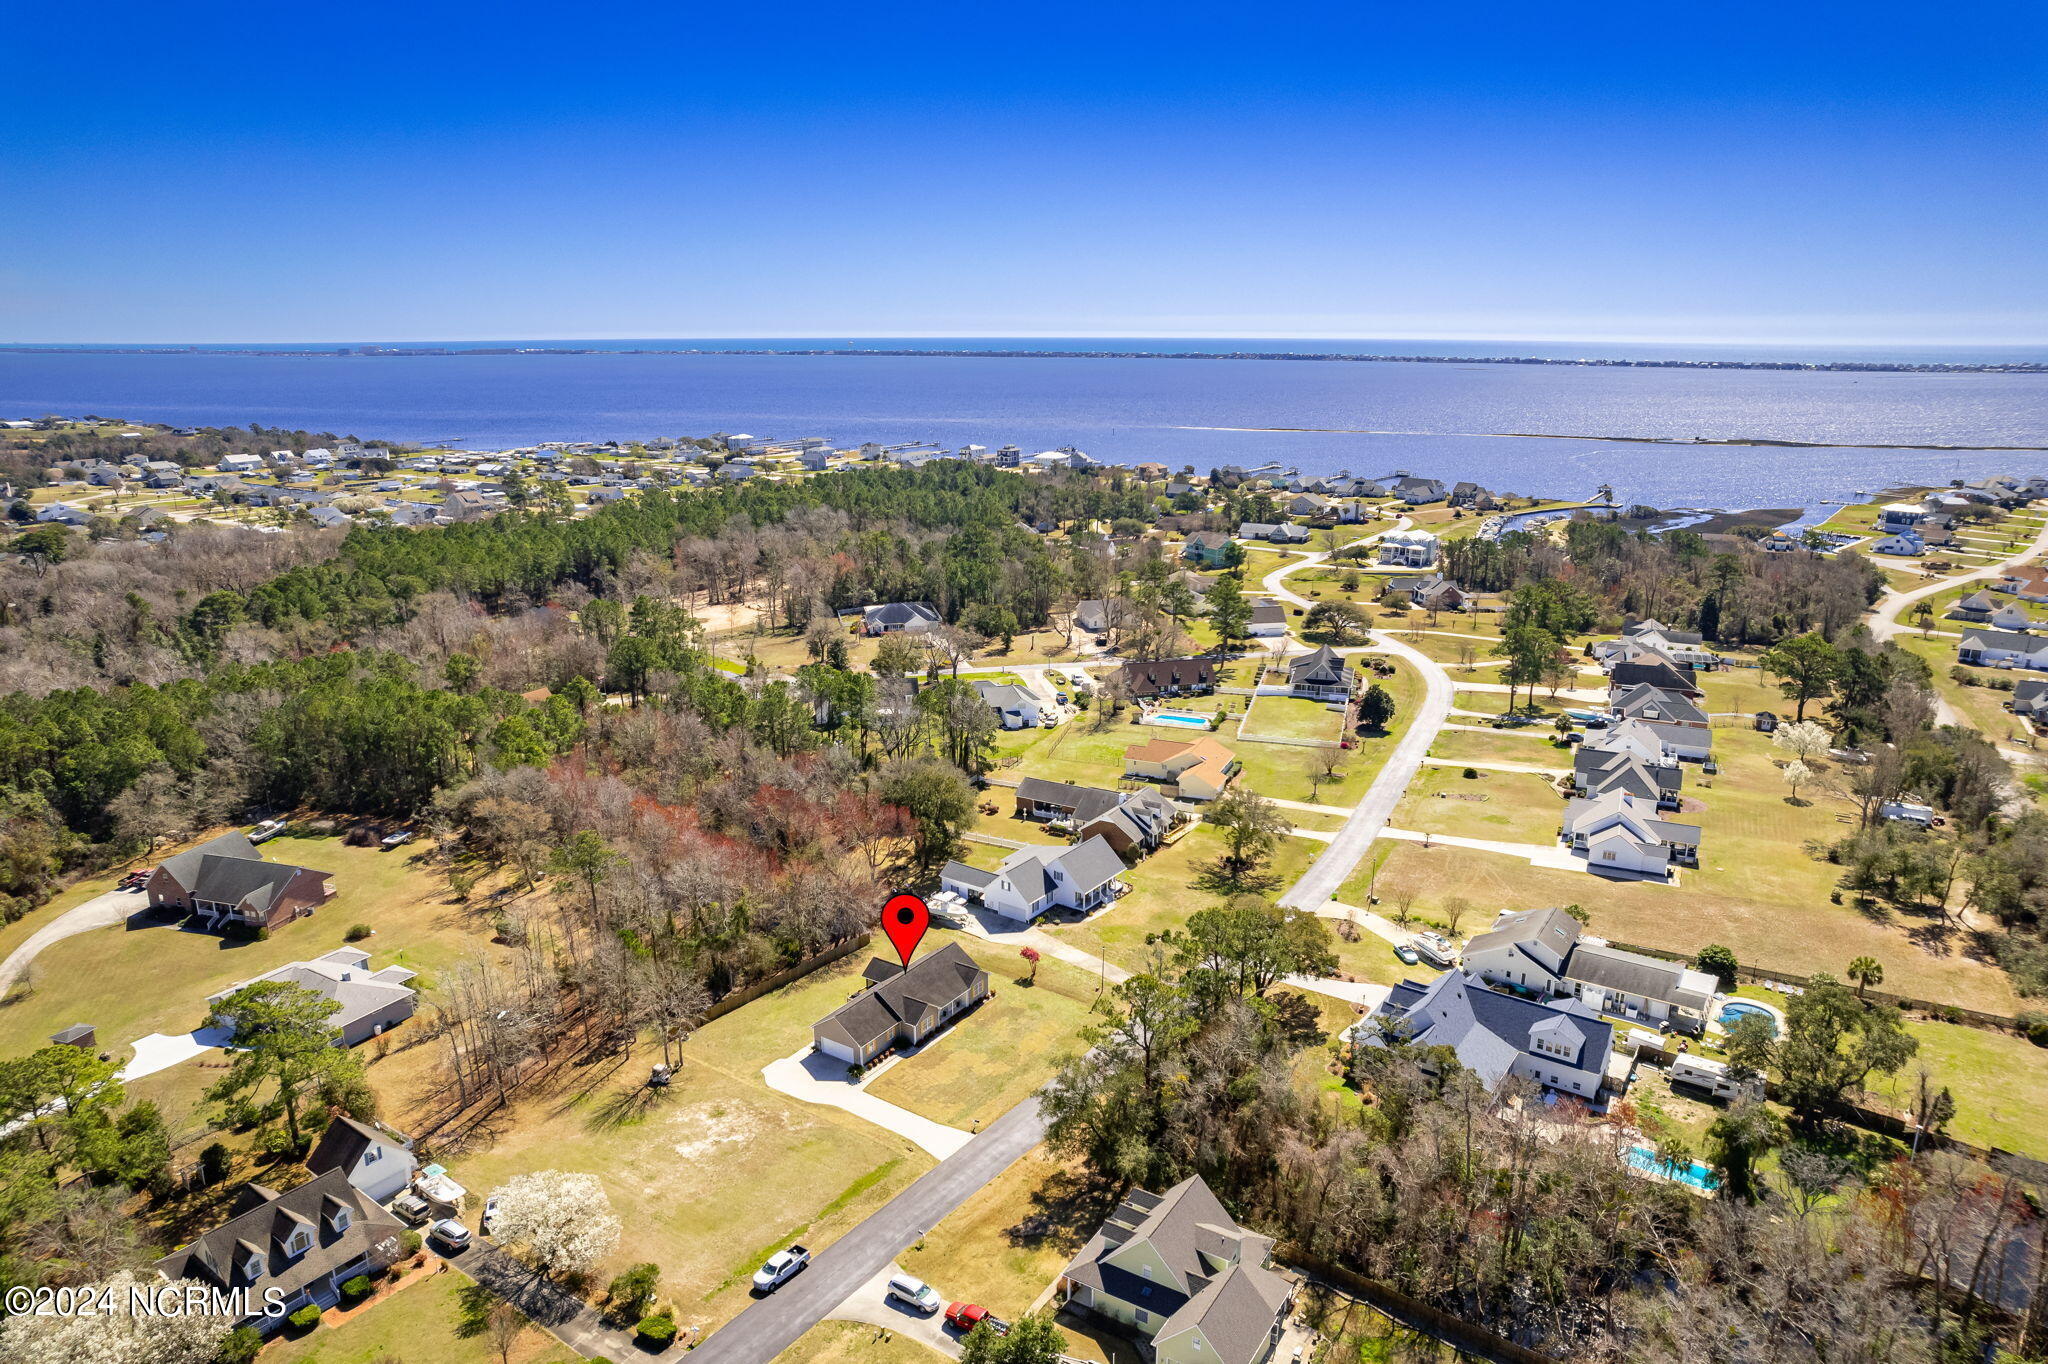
x,y
905,919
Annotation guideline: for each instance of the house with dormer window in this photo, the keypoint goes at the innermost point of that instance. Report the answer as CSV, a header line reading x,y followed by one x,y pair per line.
x,y
305,1244
1560,1043
1177,1271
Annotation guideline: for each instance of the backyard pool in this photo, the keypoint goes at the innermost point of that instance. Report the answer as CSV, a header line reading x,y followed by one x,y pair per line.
x,y
1735,1010
1178,719
1693,1175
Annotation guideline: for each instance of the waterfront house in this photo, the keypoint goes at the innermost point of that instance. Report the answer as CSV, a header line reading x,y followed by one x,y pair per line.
x,y
1408,549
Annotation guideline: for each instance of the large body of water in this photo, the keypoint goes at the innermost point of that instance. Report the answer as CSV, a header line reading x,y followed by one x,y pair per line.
x,y
1519,428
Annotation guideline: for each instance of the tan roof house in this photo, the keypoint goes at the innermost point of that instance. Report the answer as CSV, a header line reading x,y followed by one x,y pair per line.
x,y
1198,769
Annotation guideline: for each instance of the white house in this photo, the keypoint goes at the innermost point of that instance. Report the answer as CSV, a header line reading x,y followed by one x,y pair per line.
x,y
1269,619
2002,649
1561,1044
897,616
1617,832
239,464
1905,544
375,1162
1408,548
1015,706
1654,741
1032,880
64,513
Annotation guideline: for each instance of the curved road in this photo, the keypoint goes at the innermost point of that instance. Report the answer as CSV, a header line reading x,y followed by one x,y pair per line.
x,y
1318,885
1884,617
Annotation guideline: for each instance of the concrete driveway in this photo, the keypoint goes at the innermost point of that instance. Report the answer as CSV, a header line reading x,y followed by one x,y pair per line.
x,y
816,1078
161,1051
872,1304
101,911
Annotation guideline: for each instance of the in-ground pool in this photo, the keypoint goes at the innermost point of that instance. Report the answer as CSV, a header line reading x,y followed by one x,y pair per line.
x,y
1735,1010
1694,1175
1178,719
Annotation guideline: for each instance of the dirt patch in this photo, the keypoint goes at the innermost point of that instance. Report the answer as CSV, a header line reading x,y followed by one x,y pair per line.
x,y
705,1129
727,616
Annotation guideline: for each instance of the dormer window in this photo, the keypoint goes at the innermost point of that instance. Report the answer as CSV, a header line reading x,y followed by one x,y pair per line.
x,y
372,1155
299,1242
252,1266
340,1220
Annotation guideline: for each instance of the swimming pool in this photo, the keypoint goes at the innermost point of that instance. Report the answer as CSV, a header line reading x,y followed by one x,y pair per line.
x,y
1735,1010
1178,719
1694,1175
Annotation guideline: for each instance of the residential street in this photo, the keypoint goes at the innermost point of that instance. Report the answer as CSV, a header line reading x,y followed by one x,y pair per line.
x,y
773,1324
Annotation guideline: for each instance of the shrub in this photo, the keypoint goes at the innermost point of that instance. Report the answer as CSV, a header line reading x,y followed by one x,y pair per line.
x,y
409,1242
657,1330
214,1163
357,1288
1471,774
2033,1025
240,1346
632,1290
305,1319
1717,961
357,932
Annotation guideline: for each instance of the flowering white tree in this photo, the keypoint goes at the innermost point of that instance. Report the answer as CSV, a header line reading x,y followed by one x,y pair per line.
x,y
563,1219
1797,774
112,1334
1807,739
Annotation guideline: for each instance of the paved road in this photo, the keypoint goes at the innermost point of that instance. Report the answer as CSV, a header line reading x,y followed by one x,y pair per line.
x,y
102,911
773,1324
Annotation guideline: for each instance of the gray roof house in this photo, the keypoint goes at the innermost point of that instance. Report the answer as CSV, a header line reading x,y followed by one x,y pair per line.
x,y
1175,1269
901,1006
1279,533
1560,1044
371,1001
1032,880
2030,698
892,617
305,1244
1268,618
1096,617
1322,675
1645,702
1016,707
1138,824
2003,649
226,882
1038,798
1598,771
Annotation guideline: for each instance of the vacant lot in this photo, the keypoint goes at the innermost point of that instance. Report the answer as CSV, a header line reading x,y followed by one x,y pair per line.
x,y
419,1321
1529,746
1513,806
2000,1083
994,1058
853,1342
718,1171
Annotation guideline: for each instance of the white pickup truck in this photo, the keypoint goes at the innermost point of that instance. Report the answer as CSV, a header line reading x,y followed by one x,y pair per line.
x,y
780,1269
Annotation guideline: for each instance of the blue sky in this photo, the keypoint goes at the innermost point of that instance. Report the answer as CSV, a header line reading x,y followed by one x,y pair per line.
x,y
258,172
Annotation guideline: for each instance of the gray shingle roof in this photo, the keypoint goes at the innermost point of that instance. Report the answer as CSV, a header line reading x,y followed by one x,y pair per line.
x,y
1086,802
901,613
1553,928
1631,973
898,994
1487,1029
267,1219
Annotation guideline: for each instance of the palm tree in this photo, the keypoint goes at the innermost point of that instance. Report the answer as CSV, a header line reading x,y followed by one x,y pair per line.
x,y
1866,971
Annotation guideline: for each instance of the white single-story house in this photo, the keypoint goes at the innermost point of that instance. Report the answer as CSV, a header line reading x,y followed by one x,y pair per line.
x,y
2002,649
1032,880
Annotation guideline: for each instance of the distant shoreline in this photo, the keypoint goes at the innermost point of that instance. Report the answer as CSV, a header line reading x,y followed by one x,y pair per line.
x,y
419,352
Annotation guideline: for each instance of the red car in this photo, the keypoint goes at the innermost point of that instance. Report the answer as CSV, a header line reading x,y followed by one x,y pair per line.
x,y
965,1316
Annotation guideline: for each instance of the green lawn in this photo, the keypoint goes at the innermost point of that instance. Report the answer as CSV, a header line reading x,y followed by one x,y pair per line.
x,y
1983,706
1516,807
1530,744
1291,717
419,1321
2000,1083
992,1059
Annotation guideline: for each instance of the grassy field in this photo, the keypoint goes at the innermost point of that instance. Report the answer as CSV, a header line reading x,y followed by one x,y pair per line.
x,y
2000,1084
994,1058
1291,717
1006,1245
419,1321
1983,707
1164,893
1496,702
1513,806
715,1173
1529,745
92,978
